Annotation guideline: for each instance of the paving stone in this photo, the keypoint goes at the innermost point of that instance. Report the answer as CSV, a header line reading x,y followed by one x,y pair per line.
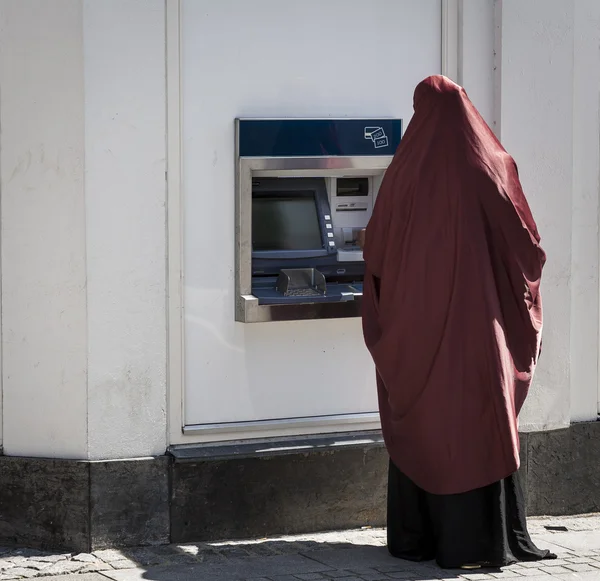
x,y
38,565
542,577
531,564
180,559
54,558
6,564
508,575
108,555
144,557
425,576
577,542
85,558
594,564
79,577
555,570
532,572
187,549
397,565
369,574
555,563
17,560
232,552
259,550
233,569
511,570
355,558
591,576
63,568
95,568
123,564
29,553
581,568
576,560
20,572
373,576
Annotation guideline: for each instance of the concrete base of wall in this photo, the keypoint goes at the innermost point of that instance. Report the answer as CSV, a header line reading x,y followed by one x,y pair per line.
x,y
252,490
80,506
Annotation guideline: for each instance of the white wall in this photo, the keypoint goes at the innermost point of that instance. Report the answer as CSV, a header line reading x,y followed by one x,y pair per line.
x,y
82,171
476,64
518,65
83,86
43,228
536,110
271,58
541,93
586,189
126,219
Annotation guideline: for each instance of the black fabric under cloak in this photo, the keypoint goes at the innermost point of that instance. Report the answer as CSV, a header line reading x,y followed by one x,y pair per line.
x,y
485,527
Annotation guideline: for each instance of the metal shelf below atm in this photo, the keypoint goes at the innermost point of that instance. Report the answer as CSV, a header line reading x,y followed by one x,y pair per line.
x,y
302,294
249,311
276,300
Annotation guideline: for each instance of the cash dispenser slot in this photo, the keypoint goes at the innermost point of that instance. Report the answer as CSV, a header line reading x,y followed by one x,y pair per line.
x,y
300,204
301,282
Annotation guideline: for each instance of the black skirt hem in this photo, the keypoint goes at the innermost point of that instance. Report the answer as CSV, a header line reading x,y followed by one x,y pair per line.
x,y
486,527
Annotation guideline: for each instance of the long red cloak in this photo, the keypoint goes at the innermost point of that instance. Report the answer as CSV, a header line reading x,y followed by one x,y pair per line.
x,y
452,306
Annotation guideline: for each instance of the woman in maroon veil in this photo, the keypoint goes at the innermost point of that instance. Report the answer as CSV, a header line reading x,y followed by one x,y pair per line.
x,y
452,317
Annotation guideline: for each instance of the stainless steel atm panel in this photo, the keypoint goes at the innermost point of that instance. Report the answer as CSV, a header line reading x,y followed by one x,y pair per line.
x,y
304,189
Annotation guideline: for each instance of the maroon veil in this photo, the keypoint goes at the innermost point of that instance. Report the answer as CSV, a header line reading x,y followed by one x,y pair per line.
x,y
452,311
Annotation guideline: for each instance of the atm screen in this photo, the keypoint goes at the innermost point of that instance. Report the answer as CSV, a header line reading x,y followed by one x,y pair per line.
x,y
282,221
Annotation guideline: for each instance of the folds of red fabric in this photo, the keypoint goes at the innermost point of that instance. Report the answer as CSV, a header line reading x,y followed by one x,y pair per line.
x,y
452,305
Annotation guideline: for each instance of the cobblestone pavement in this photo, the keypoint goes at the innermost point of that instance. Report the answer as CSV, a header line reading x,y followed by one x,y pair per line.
x,y
358,555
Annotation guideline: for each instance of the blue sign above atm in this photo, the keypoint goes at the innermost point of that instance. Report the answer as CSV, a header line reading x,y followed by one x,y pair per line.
x,y
318,137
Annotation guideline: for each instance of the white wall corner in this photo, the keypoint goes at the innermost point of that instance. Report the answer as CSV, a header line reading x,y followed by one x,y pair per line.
x,y
468,50
497,70
476,54
586,190
536,112
44,347
175,363
452,39
126,217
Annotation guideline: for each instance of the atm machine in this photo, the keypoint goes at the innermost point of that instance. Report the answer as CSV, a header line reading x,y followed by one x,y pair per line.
x,y
304,189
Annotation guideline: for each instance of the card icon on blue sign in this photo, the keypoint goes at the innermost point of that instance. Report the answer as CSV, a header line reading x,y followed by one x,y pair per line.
x,y
377,136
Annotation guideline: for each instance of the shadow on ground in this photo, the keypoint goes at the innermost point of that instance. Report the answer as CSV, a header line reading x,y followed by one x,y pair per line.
x,y
286,561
